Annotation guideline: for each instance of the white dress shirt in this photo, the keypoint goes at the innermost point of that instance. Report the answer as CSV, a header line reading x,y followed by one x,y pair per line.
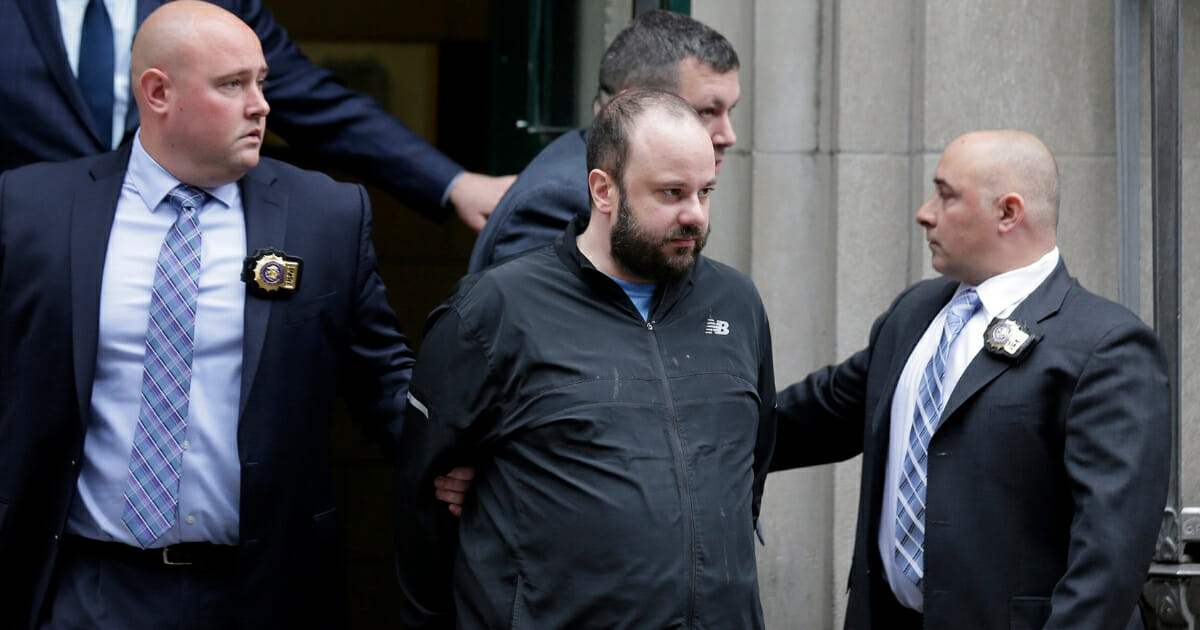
x,y
209,489
1000,295
123,15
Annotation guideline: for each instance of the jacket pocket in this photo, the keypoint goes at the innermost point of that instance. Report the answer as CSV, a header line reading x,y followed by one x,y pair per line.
x,y
301,311
1028,613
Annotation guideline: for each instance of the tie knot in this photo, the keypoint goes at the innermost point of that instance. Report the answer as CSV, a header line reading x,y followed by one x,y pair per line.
x,y
961,309
185,197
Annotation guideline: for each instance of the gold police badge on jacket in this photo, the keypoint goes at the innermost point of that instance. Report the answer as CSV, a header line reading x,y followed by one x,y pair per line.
x,y
271,274
1008,338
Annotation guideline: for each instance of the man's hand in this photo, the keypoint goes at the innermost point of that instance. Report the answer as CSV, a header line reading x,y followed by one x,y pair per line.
x,y
452,488
475,195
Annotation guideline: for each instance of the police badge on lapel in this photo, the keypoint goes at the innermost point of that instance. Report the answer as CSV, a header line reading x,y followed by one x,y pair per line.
x,y
271,274
1008,338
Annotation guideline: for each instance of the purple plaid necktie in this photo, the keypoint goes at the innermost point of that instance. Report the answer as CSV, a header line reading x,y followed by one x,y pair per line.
x,y
152,492
910,501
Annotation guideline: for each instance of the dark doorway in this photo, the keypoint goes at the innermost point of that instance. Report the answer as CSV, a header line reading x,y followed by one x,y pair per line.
x,y
461,73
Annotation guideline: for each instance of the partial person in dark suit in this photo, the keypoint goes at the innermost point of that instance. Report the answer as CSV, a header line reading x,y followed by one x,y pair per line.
x,y
658,50
1015,471
49,116
164,421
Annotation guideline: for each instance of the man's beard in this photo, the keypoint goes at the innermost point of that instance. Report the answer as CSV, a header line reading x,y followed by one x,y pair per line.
x,y
643,255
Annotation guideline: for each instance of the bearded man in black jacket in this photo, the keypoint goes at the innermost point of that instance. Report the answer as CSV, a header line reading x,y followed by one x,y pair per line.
x,y
615,393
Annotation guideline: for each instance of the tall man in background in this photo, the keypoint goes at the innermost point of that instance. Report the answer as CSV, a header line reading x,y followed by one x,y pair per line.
x,y
1014,426
66,94
658,50
176,320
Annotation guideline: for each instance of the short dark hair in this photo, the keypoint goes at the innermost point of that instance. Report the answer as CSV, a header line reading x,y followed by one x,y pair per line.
x,y
608,139
647,53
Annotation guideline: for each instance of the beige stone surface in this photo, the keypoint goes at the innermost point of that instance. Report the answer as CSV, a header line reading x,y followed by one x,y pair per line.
x,y
873,231
787,67
847,476
875,58
1046,67
1189,82
793,258
1189,333
1088,229
799,550
730,213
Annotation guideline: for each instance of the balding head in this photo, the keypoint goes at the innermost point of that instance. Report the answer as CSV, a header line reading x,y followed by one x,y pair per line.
x,y
177,31
613,128
996,205
197,78
1009,160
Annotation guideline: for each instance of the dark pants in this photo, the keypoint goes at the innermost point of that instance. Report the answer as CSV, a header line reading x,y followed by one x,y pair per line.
x,y
110,587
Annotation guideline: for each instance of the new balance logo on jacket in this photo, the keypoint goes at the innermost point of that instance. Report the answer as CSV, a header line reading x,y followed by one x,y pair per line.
x,y
716,327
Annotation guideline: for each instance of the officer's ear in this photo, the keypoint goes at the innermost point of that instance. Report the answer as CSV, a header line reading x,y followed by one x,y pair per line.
x,y
1012,211
155,88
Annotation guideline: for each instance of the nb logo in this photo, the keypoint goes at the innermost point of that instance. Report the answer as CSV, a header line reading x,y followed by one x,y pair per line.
x,y
716,327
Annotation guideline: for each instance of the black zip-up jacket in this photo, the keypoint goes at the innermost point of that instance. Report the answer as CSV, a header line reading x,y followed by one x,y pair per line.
x,y
620,462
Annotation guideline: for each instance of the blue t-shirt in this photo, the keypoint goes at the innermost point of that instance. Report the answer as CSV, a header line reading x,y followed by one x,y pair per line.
x,y
640,293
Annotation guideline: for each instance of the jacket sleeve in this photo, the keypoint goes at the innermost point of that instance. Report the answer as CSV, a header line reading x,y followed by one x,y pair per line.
x,y
1117,460
536,219
765,445
378,360
316,113
823,418
448,403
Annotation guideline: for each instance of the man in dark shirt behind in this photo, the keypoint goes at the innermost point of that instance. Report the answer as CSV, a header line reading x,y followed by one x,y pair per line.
x,y
658,50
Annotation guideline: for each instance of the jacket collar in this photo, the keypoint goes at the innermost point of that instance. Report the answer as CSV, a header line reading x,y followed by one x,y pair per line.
x,y
266,208
93,207
667,296
1044,302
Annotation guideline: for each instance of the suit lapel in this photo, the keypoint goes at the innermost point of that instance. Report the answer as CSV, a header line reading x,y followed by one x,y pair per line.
x,y
44,26
93,207
914,316
266,221
913,326
1044,302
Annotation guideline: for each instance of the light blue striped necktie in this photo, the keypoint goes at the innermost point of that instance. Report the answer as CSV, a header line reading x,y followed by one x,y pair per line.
x,y
909,545
152,492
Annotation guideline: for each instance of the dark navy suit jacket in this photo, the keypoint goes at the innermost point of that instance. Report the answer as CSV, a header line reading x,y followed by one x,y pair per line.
x,y
1047,476
335,335
43,115
549,191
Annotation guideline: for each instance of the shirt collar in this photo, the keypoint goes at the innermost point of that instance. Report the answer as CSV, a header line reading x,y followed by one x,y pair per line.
x,y
152,182
1002,293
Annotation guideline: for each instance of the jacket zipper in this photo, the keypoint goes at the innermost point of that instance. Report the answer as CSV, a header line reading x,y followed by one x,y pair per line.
x,y
685,492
